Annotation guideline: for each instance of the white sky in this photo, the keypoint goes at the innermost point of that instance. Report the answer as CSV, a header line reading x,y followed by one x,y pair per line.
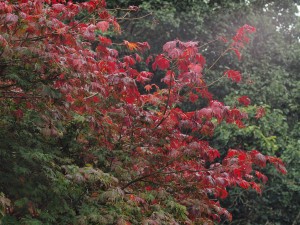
x,y
298,14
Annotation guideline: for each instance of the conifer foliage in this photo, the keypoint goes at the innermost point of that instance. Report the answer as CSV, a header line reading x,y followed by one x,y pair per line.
x,y
88,138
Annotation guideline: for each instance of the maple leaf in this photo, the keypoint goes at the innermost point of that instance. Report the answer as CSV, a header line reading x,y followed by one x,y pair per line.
x,y
143,46
149,58
18,113
169,78
117,27
234,75
103,26
193,97
241,33
277,163
133,8
200,58
129,60
167,47
161,62
138,57
189,44
131,45
104,15
258,158
105,41
237,52
261,176
11,18
223,193
196,68
244,184
245,100
174,53
58,7
256,187
260,112
148,87
144,76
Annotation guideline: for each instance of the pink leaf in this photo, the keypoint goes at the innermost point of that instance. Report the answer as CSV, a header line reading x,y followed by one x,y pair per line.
x,y
103,26
138,57
169,46
196,68
11,18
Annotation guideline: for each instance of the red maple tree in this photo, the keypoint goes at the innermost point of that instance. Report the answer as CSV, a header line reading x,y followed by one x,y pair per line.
x,y
76,72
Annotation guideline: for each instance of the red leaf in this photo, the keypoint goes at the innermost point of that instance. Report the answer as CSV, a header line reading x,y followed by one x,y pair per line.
x,y
234,75
193,97
105,41
223,193
161,62
245,100
69,98
277,162
244,184
256,187
144,77
261,176
149,58
261,159
200,59
237,52
96,99
103,26
169,78
281,168
237,173
260,112
138,57
242,157
18,113
117,26
213,154
241,33
232,152
129,60
104,15
143,46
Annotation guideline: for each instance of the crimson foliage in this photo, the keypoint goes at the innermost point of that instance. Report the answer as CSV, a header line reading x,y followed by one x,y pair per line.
x,y
117,149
